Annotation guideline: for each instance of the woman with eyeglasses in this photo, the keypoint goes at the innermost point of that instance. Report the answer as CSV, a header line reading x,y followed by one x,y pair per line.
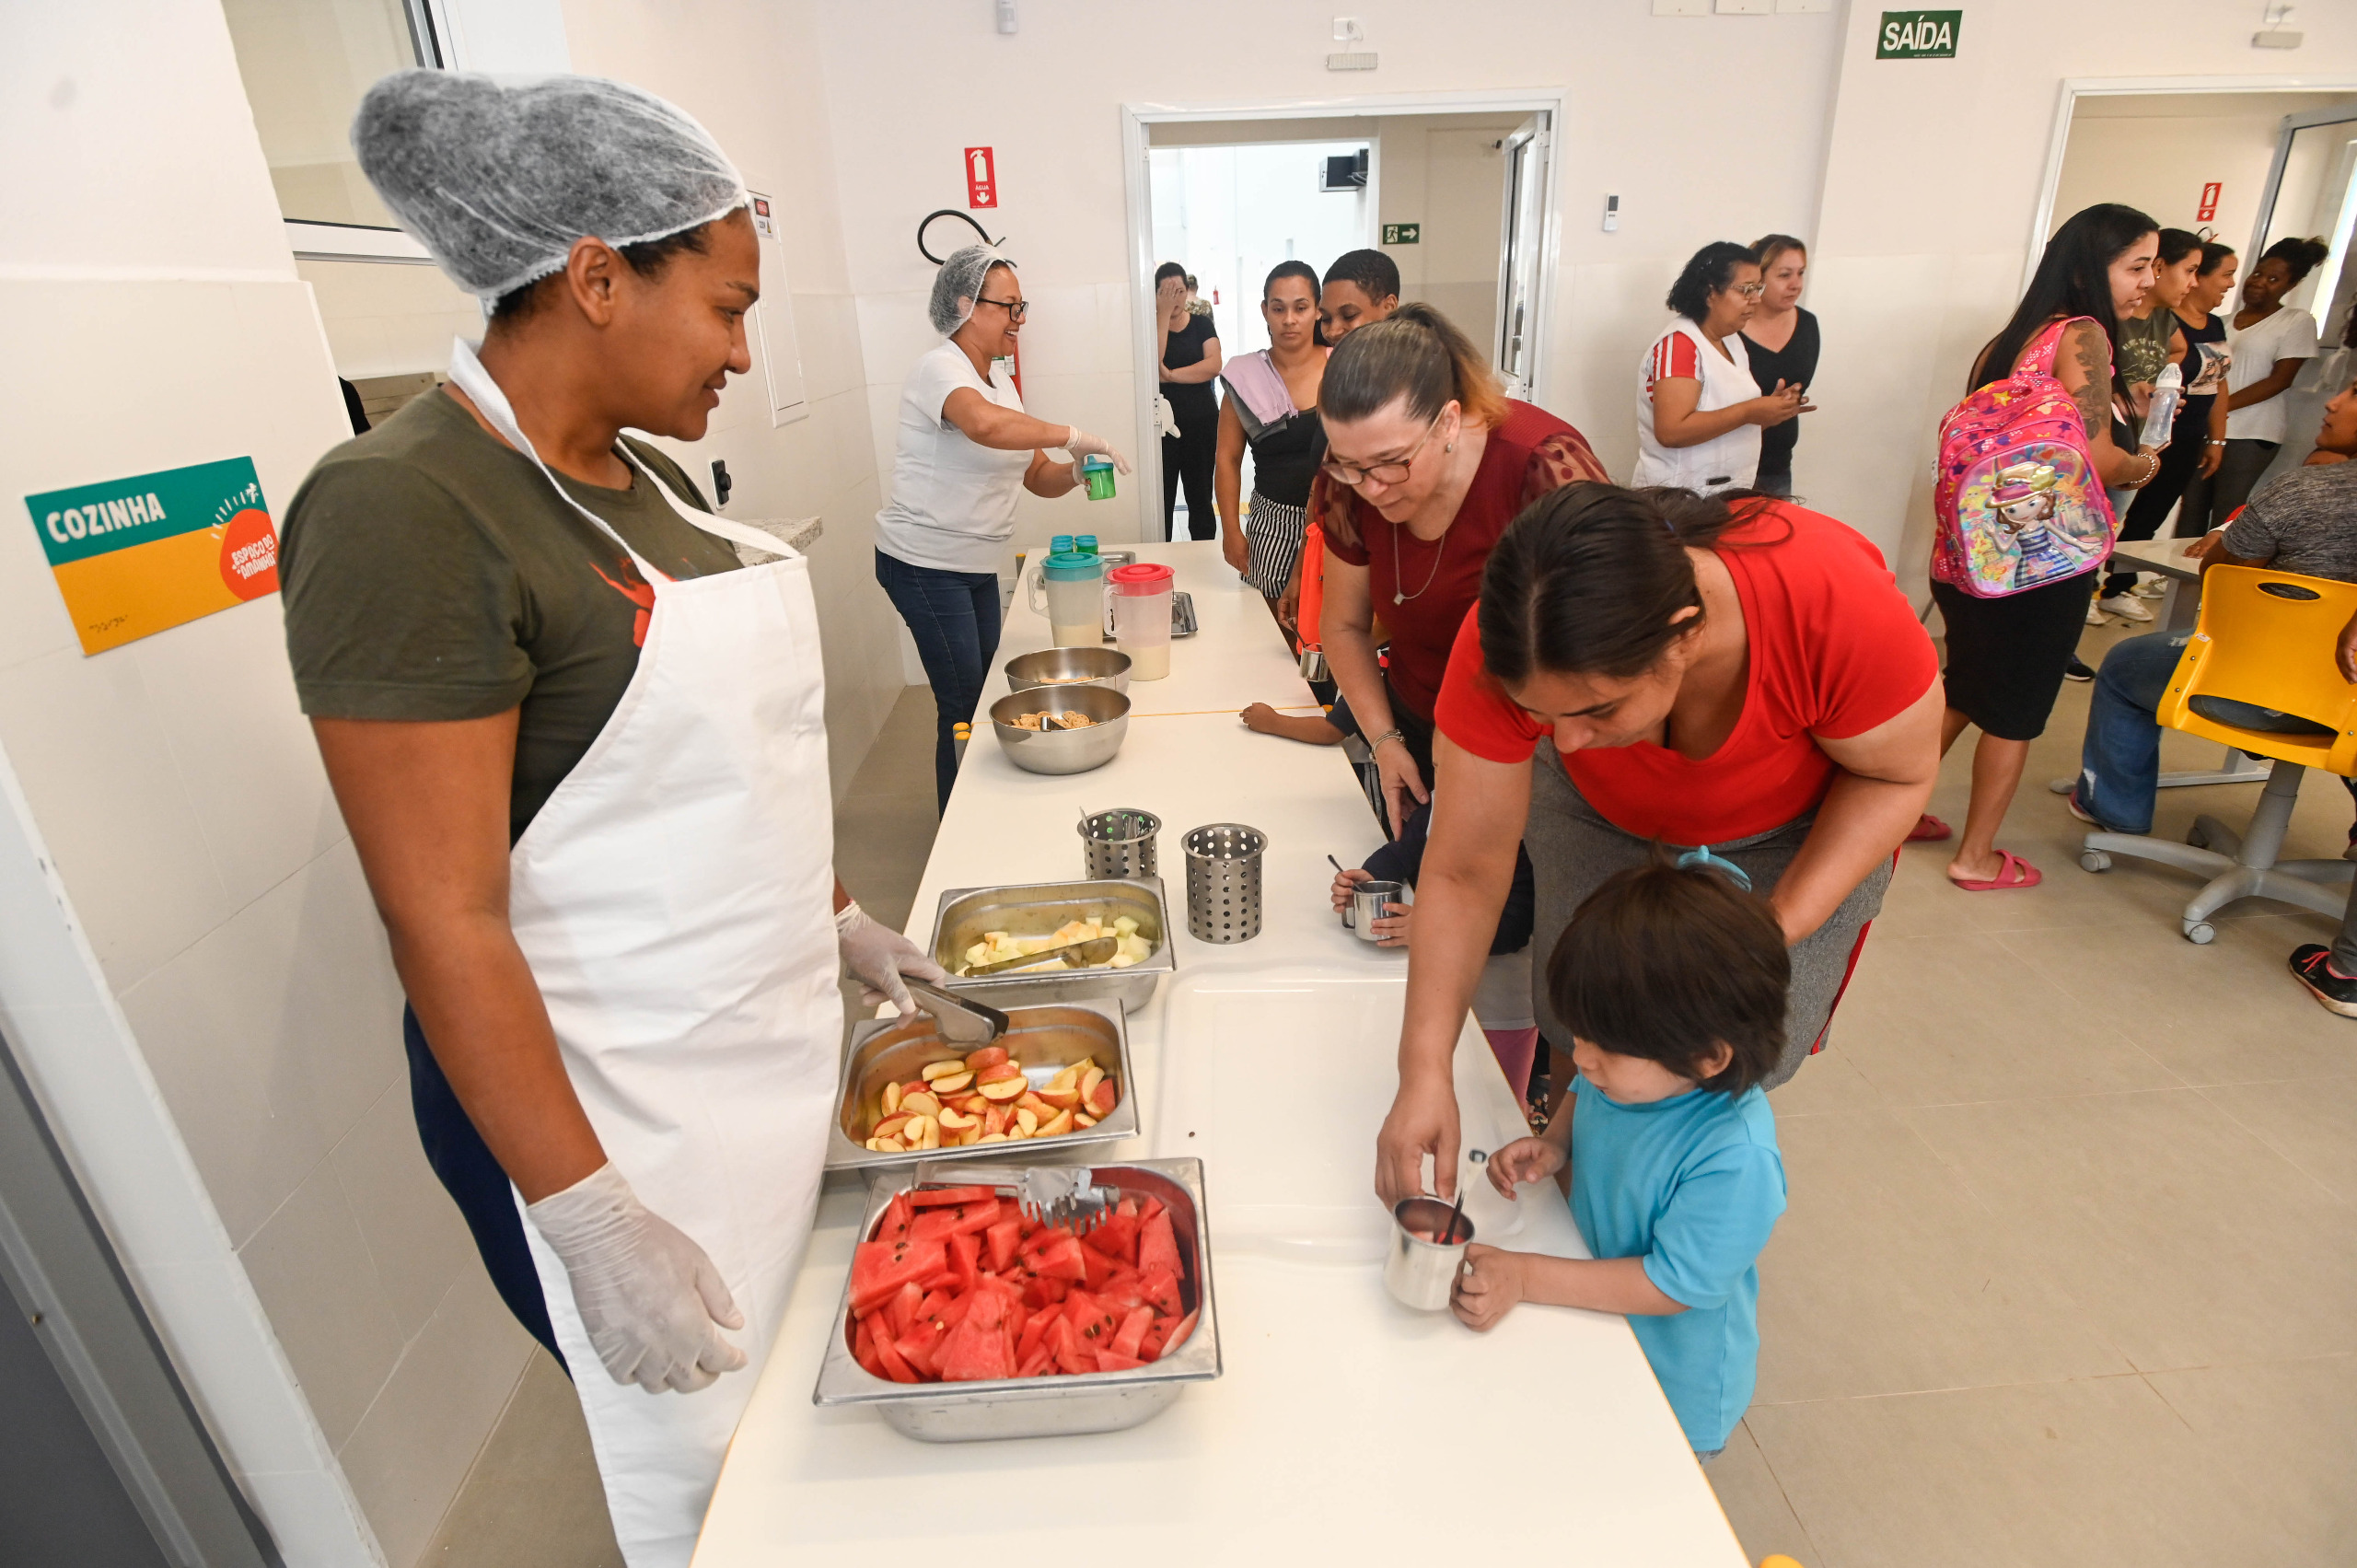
x,y
1738,679
1698,412
1427,460
966,446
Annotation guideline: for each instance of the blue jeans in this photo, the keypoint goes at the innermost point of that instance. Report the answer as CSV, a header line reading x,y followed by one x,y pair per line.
x,y
2119,763
954,616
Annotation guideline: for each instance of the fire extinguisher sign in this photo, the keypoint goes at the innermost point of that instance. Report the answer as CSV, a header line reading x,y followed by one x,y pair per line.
x,y
2208,208
981,177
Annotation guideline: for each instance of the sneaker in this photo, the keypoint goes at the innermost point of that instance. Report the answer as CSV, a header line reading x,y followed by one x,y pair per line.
x,y
2094,613
2156,587
2078,670
2311,967
2071,800
2126,606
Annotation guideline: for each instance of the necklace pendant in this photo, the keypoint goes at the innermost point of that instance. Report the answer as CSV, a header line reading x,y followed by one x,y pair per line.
x,y
1399,599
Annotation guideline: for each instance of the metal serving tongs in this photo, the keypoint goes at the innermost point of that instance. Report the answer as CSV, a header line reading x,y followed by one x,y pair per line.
x,y
1075,955
1050,1195
959,1019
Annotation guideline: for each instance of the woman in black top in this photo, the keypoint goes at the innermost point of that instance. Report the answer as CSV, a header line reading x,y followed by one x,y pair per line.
x,y
1272,406
1190,358
2190,278
1781,342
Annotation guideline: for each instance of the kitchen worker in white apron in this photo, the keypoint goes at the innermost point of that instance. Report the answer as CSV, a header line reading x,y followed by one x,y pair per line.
x,y
1699,411
581,755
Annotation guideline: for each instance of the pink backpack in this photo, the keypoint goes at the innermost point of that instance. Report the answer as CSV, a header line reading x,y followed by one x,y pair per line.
x,y
2019,502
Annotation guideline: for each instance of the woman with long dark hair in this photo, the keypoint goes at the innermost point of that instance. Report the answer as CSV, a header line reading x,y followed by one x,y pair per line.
x,y
2006,656
1739,679
1427,461
1189,358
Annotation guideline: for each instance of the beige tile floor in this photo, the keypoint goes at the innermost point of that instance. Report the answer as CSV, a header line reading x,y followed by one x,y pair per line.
x,y
2069,1278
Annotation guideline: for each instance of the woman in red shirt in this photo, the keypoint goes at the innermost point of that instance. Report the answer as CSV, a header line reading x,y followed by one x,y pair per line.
x,y
1427,460
1739,679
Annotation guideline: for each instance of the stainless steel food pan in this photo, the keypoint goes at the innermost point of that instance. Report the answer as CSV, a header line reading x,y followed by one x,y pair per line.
x,y
1046,1407
1043,1040
1040,907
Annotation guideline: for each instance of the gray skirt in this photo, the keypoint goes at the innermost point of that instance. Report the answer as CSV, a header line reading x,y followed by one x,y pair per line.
x,y
1573,849
1273,535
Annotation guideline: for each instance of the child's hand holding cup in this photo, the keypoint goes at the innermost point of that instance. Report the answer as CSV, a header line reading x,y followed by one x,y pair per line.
x,y
1522,1161
1490,1280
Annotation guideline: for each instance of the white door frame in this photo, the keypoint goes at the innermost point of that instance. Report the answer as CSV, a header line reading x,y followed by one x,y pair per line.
x,y
1138,192
2075,88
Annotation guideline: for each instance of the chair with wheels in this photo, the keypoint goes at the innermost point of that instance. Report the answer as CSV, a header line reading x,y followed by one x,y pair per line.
x,y
2265,641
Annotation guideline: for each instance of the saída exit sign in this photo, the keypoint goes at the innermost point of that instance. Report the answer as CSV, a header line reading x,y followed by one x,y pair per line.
x,y
1918,35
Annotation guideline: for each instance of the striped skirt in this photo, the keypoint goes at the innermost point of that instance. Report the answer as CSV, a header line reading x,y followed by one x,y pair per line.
x,y
1273,536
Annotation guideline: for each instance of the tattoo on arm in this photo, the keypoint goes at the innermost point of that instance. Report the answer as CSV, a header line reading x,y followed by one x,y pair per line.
x,y
2094,395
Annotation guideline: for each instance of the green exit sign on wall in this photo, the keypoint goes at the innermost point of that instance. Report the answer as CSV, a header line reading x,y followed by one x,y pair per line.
x,y
1918,35
1403,234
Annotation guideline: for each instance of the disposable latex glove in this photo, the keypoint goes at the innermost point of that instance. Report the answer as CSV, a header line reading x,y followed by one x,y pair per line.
x,y
651,1299
1081,444
878,956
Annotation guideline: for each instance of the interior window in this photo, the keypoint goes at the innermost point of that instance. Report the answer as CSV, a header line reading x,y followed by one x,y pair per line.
x,y
305,63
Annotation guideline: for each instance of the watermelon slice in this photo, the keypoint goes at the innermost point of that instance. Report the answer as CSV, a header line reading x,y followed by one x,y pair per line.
x,y
1131,1332
934,1197
1113,1361
1159,1288
977,1349
1004,1237
879,1269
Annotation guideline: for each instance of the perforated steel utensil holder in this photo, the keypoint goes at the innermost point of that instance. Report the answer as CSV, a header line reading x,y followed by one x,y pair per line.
x,y
1120,842
1224,881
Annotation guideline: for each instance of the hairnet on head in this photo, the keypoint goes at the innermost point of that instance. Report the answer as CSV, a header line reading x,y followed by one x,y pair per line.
x,y
498,181
960,283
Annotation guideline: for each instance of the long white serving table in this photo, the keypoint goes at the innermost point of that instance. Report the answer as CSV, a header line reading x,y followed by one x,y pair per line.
x,y
1345,1426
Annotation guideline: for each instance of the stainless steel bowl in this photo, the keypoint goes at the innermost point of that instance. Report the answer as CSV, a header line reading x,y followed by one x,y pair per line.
x,y
1062,750
1043,1039
1069,666
1038,909
1046,1407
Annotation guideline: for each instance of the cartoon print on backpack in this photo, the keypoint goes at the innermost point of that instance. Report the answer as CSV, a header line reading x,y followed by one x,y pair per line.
x,y
2024,501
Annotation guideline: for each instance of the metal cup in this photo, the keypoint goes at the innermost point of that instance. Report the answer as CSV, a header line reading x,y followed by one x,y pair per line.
x,y
1369,902
1120,842
1421,1273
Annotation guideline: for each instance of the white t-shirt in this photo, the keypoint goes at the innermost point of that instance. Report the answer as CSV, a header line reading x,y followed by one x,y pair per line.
x,y
1724,462
953,501
2290,333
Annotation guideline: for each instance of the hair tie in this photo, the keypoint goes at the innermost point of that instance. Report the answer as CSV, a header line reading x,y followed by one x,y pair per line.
x,y
1700,858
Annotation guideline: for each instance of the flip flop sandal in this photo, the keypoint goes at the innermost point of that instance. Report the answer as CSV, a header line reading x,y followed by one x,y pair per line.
x,y
1926,829
2013,872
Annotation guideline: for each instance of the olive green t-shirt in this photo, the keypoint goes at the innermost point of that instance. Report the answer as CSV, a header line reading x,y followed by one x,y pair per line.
x,y
430,572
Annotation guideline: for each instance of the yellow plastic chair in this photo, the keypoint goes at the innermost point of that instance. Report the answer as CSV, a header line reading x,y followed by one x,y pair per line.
x,y
2265,638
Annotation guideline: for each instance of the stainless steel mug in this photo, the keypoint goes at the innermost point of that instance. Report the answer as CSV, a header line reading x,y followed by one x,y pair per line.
x,y
1421,1273
1369,902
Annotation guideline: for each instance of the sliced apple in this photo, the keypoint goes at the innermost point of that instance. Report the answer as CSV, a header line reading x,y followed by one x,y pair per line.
x,y
952,1083
1068,1078
922,1133
1035,1106
1090,1076
1081,1118
942,1069
992,1138
920,1104
995,1120
970,1137
891,1099
1062,1124
891,1125
957,1121
1101,1099
989,1056
1027,1119
1060,1100
1002,1092
998,1074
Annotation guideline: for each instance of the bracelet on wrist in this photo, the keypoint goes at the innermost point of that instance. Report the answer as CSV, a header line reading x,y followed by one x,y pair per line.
x,y
1392,734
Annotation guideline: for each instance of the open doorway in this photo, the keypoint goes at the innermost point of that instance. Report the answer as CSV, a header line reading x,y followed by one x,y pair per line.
x,y
1454,190
2248,166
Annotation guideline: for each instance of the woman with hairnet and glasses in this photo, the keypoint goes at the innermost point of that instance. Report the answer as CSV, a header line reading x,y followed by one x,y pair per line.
x,y
966,445
581,755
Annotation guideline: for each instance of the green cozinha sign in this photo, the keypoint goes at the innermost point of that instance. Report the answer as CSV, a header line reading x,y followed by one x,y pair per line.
x,y
1918,35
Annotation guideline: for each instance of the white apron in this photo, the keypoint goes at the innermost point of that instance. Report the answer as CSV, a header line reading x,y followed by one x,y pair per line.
x,y
674,900
1727,461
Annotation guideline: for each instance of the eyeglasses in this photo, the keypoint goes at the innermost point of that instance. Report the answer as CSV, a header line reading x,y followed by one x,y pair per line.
x,y
1749,290
1390,472
1015,308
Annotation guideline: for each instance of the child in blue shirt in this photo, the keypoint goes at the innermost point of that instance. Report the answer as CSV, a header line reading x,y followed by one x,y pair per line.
x,y
1673,983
